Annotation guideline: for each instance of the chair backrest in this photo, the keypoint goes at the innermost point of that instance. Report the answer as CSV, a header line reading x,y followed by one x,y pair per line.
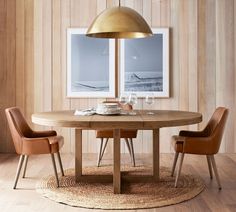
x,y
215,127
18,127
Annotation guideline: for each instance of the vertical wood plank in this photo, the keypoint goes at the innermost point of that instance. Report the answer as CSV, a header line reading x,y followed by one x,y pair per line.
x,y
56,55
83,12
183,56
3,13
147,11
20,55
47,55
201,56
3,72
101,5
29,60
112,3
165,13
193,55
235,74
38,56
10,92
225,72
156,13
206,59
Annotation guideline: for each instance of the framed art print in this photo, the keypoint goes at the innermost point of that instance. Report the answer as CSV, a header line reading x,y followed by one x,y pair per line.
x,y
90,65
144,64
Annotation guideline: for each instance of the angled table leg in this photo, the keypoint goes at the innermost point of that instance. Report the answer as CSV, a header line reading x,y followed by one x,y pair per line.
x,y
116,163
156,154
78,154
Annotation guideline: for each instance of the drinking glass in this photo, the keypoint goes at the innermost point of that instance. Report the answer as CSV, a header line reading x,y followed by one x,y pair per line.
x,y
149,100
133,99
123,100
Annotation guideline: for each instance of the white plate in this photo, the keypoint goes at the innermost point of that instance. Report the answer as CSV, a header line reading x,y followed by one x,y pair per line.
x,y
117,112
108,105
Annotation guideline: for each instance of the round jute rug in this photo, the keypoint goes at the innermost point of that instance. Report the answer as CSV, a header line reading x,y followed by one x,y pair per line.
x,y
134,195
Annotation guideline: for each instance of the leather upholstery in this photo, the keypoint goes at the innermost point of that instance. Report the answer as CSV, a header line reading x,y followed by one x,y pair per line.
x,y
123,133
28,141
205,142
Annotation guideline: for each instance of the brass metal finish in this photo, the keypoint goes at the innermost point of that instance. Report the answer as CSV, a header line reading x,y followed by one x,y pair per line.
x,y
119,22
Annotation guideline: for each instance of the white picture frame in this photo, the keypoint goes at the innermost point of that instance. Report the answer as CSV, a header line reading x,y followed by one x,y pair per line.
x,y
143,61
84,55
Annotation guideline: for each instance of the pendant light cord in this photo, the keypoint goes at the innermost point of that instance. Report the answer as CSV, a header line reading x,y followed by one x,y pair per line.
x,y
119,3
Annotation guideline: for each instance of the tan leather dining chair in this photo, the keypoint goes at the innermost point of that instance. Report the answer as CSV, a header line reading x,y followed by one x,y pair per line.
x,y
206,142
128,135
28,142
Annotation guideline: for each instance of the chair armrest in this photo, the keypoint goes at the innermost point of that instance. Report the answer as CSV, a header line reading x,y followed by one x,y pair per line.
x,y
197,145
38,134
187,133
32,146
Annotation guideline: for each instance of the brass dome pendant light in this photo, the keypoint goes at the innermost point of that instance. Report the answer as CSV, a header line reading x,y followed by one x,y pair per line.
x,y
119,22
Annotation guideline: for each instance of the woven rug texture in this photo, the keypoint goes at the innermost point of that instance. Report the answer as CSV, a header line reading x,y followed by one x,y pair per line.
x,y
134,195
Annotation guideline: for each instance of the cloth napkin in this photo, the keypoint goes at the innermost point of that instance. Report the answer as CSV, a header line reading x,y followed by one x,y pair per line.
x,y
87,112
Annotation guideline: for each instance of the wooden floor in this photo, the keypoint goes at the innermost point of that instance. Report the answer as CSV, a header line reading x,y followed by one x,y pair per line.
x,y
26,199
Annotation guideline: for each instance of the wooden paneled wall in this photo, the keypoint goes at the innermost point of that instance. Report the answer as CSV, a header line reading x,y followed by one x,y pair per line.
x,y
7,67
202,61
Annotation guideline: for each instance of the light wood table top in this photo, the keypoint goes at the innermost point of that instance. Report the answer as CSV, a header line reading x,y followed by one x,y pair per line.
x,y
161,118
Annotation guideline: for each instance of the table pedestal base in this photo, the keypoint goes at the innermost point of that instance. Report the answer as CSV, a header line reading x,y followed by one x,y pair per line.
x,y
117,177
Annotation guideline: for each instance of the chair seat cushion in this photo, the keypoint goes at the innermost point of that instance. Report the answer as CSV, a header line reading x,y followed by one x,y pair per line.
x,y
123,134
177,143
56,143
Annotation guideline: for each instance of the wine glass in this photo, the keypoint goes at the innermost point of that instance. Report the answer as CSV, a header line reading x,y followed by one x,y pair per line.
x,y
123,100
133,99
149,100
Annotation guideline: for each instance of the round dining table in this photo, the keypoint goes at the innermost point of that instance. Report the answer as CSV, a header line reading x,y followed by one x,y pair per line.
x,y
142,121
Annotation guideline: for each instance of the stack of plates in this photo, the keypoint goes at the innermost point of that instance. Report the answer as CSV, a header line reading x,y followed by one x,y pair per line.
x,y
108,109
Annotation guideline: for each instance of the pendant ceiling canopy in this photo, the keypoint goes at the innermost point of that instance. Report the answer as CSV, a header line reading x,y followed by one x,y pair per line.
x,y
119,22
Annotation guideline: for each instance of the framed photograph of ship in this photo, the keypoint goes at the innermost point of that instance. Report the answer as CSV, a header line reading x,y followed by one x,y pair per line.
x,y
90,65
144,64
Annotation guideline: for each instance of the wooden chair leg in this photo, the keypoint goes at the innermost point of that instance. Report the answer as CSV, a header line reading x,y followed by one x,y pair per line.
x,y
21,160
129,149
179,171
102,150
209,166
60,163
132,150
215,171
25,165
55,169
174,163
